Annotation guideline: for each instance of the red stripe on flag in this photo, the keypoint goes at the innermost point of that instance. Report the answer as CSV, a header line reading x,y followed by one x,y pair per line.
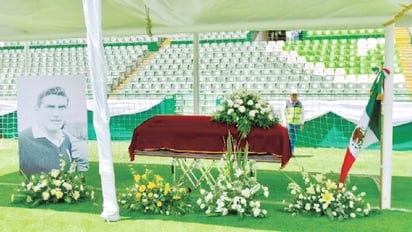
x,y
347,164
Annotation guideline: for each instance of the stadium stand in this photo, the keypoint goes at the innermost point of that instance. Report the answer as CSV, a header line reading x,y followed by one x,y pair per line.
x,y
322,66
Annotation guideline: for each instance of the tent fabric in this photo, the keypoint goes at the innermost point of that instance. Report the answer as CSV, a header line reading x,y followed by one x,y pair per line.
x,y
54,19
350,110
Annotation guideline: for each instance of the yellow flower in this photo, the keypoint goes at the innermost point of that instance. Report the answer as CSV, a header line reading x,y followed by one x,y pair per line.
x,y
158,178
142,188
144,177
167,189
150,195
137,178
330,185
53,192
57,183
59,194
176,197
76,195
151,185
138,196
159,204
328,197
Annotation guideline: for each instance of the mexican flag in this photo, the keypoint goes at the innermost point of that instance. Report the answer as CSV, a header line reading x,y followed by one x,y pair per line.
x,y
368,129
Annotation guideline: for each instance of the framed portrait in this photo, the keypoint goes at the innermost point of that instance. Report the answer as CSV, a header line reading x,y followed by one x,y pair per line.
x,y
52,123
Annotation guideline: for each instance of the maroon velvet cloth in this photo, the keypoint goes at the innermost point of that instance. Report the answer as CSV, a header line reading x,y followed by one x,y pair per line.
x,y
198,134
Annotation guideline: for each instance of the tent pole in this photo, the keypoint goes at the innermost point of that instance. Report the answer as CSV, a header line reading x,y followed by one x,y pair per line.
x,y
196,89
101,117
387,132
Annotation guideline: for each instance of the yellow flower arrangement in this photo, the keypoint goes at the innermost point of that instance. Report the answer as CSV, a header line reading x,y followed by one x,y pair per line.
x,y
150,194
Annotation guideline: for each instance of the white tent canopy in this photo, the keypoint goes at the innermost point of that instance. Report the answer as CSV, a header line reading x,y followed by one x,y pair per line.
x,y
55,19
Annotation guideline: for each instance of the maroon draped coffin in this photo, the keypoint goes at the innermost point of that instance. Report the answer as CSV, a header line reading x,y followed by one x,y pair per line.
x,y
200,135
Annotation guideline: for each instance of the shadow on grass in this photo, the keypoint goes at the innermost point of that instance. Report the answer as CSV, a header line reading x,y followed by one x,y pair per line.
x,y
277,182
302,156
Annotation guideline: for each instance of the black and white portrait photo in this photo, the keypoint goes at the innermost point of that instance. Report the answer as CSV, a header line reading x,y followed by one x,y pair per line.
x,y
52,123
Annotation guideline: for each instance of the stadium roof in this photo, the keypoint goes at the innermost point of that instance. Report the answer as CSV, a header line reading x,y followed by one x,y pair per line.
x,y
52,19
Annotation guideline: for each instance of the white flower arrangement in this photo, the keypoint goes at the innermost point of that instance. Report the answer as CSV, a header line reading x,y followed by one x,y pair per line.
x,y
321,196
245,109
236,189
55,186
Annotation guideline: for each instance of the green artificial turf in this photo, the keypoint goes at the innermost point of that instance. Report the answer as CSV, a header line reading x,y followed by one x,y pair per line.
x,y
84,216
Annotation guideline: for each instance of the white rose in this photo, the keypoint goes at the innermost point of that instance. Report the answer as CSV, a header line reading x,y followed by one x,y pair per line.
x,y
45,195
242,109
36,188
199,201
67,186
366,211
230,111
252,113
252,204
256,212
220,108
245,193
238,173
350,204
257,204
266,194
225,212
209,197
250,102
54,173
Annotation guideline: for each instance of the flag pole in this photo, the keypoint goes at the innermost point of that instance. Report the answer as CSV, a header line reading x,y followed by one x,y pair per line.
x,y
387,130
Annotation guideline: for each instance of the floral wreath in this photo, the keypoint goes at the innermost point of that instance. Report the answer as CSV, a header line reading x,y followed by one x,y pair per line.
x,y
245,109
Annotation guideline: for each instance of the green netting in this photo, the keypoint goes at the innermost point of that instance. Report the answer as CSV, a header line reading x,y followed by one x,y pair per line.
x,y
122,126
330,130
8,125
152,46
